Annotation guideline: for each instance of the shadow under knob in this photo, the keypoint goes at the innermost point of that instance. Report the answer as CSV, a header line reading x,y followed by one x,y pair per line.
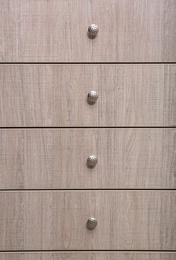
x,y
92,96
92,161
93,29
91,223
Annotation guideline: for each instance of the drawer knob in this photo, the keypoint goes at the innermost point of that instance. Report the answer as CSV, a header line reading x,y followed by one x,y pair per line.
x,y
92,161
93,29
91,223
92,96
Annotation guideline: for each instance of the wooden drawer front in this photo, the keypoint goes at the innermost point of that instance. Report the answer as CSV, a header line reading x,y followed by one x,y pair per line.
x,y
56,158
52,30
88,256
127,220
56,95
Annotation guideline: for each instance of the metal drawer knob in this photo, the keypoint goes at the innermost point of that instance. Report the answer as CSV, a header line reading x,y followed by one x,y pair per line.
x,y
93,29
91,223
92,96
92,161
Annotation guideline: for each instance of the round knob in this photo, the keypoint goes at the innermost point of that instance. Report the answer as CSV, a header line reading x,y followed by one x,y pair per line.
x,y
93,29
91,223
92,161
92,96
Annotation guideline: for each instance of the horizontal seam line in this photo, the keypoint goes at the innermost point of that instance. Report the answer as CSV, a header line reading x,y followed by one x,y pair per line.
x,y
96,189
90,250
82,127
101,63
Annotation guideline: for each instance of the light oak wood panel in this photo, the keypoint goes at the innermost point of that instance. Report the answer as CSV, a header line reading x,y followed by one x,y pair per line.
x,y
127,220
56,158
88,256
56,95
56,31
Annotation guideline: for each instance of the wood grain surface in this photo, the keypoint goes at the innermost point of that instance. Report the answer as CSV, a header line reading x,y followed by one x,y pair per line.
x,y
56,158
56,95
56,31
88,256
127,220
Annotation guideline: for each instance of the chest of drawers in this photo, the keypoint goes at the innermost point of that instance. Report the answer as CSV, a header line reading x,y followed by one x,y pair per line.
x,y
87,129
